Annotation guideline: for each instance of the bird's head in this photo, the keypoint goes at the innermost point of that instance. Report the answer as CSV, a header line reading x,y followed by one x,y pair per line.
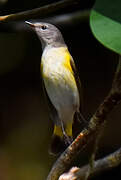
x,y
47,33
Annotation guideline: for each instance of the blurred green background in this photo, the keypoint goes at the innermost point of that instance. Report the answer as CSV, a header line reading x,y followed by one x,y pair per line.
x,y
25,128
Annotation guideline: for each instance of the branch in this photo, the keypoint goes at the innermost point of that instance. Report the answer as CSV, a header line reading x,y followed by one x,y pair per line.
x,y
42,11
91,165
66,158
64,20
100,166
69,18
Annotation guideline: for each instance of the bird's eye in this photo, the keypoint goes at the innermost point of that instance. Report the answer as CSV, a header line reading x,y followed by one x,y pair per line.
x,y
43,27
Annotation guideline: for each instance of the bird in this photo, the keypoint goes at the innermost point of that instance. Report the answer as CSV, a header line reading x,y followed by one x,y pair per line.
x,y
61,82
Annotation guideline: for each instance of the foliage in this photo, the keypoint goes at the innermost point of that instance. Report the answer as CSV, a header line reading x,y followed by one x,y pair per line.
x,y
105,22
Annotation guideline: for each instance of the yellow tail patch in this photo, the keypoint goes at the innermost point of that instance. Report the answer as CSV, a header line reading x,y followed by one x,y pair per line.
x,y
68,129
58,131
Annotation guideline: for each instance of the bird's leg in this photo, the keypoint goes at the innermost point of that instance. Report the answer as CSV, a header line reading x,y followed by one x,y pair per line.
x,y
81,118
68,140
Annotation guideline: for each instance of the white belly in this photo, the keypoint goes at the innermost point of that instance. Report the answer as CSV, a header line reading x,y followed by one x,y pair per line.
x,y
62,91
61,88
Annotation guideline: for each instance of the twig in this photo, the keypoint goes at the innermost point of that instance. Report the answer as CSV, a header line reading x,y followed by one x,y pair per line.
x,y
100,166
41,12
68,19
93,155
63,20
66,158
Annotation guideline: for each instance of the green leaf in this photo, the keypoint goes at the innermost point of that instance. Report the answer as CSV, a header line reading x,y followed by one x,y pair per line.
x,y
105,22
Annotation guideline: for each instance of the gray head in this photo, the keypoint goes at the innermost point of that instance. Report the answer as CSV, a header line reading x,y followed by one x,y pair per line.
x,y
48,34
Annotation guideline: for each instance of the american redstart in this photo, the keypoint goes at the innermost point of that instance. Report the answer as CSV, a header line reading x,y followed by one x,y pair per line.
x,y
61,84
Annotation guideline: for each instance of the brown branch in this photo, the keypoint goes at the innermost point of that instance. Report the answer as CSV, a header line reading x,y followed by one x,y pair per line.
x,y
91,165
69,18
64,20
41,12
100,166
66,158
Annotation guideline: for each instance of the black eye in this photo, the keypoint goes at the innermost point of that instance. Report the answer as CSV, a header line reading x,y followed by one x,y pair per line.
x,y
43,27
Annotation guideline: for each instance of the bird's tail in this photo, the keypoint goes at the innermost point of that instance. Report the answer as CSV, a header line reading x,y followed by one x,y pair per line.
x,y
61,139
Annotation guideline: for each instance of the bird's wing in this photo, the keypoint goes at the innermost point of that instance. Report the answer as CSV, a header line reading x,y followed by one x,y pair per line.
x,y
78,82
52,110
78,117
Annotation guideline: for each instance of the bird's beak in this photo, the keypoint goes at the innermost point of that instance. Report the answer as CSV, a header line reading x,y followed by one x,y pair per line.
x,y
30,24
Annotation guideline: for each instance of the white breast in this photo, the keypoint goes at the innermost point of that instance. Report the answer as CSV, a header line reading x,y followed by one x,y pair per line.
x,y
59,83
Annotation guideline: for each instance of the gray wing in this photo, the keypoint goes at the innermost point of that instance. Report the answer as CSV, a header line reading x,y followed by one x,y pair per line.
x,y
52,110
78,115
78,82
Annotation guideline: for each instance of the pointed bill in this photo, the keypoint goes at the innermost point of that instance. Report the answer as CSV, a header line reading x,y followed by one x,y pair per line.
x,y
30,24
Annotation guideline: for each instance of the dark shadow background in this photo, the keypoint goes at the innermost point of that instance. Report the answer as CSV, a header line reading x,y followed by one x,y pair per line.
x,y
25,129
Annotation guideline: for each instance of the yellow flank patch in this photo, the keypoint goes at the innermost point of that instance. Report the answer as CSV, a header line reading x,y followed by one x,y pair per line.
x,y
68,129
67,61
58,131
50,64
41,68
